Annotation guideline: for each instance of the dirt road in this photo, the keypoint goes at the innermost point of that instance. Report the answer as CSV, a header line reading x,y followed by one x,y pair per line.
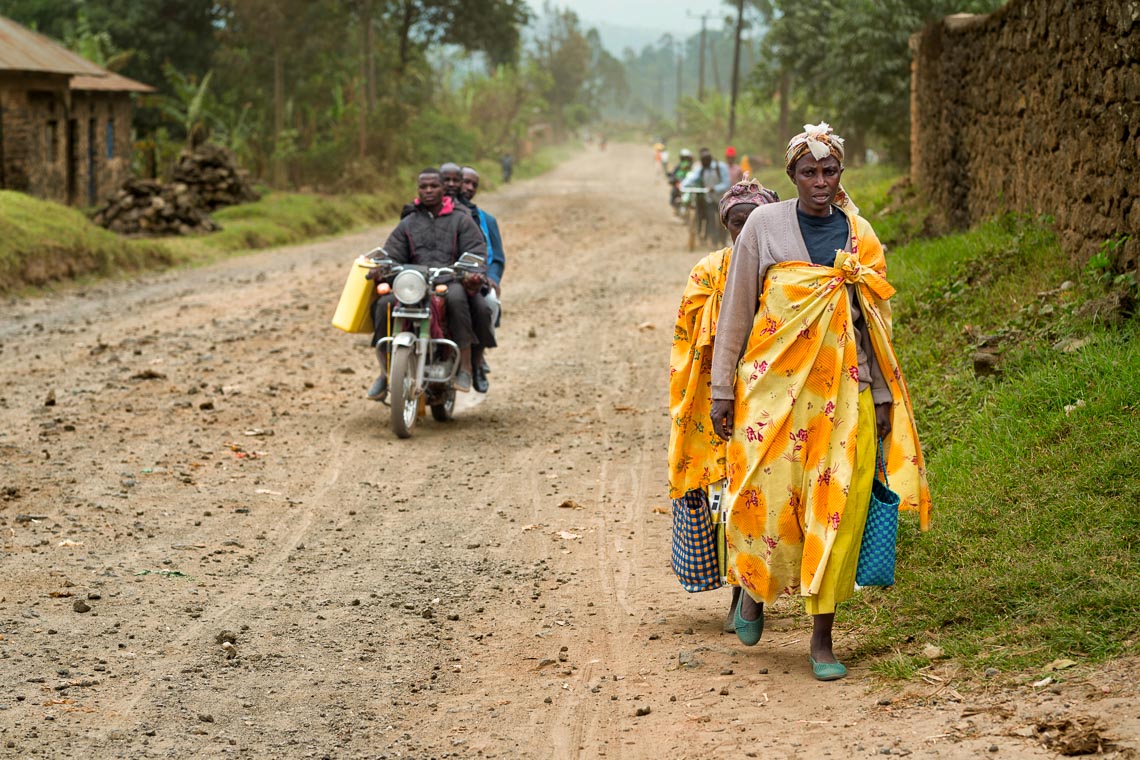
x,y
212,545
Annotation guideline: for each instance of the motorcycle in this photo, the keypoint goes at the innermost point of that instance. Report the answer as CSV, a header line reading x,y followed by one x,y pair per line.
x,y
422,362
694,213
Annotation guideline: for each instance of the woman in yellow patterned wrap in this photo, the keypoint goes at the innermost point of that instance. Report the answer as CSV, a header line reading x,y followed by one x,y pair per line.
x,y
804,380
696,453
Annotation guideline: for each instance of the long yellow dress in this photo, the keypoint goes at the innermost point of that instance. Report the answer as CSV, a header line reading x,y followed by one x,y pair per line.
x,y
696,452
792,459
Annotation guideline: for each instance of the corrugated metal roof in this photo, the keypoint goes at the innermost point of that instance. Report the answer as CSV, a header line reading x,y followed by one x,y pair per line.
x,y
21,49
112,82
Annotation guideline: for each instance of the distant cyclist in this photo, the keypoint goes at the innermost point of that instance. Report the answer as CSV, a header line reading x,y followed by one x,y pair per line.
x,y
712,175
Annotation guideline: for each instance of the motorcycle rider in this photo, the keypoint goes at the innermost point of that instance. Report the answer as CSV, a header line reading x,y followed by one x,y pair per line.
x,y
435,234
677,174
496,263
714,175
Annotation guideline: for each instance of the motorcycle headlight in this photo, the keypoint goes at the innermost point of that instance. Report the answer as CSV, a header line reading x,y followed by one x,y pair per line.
x,y
410,287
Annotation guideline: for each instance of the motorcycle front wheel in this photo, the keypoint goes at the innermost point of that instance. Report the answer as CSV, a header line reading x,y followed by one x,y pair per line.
x,y
402,385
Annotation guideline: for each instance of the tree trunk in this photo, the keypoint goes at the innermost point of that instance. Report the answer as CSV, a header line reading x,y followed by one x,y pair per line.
x,y
785,86
370,56
365,23
278,116
715,65
735,68
407,21
855,151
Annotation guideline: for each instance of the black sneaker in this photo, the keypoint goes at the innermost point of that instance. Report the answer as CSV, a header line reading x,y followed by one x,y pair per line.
x,y
479,381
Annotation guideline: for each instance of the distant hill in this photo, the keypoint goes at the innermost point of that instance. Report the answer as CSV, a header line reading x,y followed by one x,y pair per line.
x,y
617,38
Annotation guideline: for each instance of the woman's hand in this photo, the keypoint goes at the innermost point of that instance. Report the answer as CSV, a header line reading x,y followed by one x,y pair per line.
x,y
882,419
722,417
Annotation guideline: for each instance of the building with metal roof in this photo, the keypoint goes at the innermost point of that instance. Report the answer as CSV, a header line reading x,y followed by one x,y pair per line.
x,y
65,122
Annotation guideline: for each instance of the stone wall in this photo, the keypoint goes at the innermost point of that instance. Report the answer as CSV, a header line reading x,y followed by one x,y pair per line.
x,y
1033,108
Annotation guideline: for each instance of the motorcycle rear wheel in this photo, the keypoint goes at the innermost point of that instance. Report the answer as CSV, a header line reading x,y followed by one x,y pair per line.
x,y
402,385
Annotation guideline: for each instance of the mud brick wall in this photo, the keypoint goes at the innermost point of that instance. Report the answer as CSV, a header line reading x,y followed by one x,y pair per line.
x,y
108,165
30,104
1033,108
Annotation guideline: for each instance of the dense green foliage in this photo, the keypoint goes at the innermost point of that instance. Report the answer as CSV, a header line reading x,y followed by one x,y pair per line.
x,y
336,96
846,62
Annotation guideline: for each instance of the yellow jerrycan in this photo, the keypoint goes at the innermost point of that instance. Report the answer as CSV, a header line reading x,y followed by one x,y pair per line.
x,y
354,312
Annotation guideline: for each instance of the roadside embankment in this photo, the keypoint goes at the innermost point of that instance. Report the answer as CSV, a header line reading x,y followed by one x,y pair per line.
x,y
42,243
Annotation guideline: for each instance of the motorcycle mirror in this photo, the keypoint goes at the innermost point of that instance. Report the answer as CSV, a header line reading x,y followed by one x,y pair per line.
x,y
471,259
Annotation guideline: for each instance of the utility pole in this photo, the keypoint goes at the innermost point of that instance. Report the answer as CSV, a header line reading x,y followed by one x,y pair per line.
x,y
704,17
678,51
735,68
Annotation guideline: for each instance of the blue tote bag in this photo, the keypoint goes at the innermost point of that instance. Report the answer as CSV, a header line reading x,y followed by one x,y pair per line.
x,y
877,551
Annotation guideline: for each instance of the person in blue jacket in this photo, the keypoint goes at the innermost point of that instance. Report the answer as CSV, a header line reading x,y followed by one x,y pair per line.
x,y
712,174
496,263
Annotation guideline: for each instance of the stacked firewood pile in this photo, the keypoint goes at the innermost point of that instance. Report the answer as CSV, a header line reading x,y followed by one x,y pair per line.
x,y
204,179
213,174
150,207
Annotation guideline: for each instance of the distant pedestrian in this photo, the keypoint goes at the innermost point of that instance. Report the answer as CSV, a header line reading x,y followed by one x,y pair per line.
x,y
507,163
735,171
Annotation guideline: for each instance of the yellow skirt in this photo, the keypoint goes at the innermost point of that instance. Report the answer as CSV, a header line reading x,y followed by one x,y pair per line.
x,y
839,575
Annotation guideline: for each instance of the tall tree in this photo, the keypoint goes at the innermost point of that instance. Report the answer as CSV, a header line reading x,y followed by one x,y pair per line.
x,y
564,53
847,61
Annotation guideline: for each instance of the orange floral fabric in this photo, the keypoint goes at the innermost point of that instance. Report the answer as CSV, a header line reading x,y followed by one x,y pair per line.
x,y
696,452
792,454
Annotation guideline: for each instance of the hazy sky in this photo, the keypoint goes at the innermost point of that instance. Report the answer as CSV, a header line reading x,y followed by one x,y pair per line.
x,y
662,15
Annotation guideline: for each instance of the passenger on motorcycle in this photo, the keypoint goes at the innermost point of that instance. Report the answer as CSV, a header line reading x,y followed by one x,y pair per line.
x,y
496,263
452,178
713,175
435,234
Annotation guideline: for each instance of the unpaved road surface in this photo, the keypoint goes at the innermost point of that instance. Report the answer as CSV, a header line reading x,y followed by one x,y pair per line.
x,y
188,460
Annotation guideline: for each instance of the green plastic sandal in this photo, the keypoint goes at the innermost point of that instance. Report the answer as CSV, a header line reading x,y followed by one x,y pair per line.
x,y
748,631
827,671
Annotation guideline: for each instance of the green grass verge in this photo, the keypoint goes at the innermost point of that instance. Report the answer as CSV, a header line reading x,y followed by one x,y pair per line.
x,y
1033,553
42,242
286,218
